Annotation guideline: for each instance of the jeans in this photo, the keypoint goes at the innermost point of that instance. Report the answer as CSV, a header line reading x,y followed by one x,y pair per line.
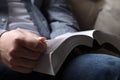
x,y
83,67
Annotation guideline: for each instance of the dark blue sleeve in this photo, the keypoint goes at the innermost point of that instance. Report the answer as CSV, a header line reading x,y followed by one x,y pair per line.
x,y
60,18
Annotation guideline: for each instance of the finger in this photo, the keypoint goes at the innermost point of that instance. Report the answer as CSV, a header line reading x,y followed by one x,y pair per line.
x,y
42,39
22,62
33,44
27,54
40,47
30,38
21,69
30,56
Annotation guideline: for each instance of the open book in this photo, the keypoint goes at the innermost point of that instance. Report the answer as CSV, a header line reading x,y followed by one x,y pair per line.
x,y
60,47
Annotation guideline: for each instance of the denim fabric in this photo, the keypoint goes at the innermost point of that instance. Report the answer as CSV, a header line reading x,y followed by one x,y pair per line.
x,y
93,67
83,67
7,74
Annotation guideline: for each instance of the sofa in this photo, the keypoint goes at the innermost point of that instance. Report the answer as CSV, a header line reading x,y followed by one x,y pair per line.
x,y
97,14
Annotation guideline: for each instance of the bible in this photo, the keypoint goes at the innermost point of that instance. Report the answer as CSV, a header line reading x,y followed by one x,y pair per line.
x,y
60,47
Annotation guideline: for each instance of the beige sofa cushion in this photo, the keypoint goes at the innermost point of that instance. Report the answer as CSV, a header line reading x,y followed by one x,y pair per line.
x,y
100,14
86,12
109,18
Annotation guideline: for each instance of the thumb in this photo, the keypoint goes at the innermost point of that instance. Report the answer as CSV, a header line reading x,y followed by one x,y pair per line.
x,y
41,44
36,44
42,39
32,43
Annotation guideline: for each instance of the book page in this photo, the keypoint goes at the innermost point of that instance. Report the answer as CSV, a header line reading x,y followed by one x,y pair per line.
x,y
105,51
72,40
103,38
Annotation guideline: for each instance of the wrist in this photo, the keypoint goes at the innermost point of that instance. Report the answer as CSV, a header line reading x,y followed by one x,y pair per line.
x,y
2,32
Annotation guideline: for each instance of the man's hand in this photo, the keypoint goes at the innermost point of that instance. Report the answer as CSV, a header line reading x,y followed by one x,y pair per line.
x,y
20,50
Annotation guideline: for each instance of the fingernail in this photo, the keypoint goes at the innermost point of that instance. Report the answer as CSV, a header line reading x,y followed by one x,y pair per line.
x,y
42,39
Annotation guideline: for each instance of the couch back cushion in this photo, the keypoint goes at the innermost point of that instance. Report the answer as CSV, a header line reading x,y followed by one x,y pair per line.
x,y
86,12
99,14
109,18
